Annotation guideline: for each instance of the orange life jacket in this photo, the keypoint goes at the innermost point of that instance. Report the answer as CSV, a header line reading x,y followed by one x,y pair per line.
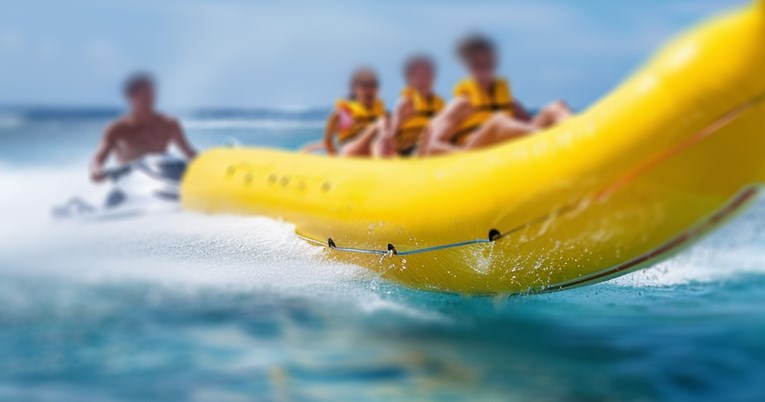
x,y
362,117
485,105
424,108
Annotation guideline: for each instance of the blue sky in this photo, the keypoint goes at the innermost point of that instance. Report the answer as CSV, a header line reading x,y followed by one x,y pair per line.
x,y
299,53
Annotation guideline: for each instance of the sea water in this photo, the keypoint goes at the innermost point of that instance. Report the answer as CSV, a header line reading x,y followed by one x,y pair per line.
x,y
184,306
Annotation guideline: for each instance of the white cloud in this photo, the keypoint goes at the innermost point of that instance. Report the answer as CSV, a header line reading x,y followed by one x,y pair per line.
x,y
244,53
48,49
11,41
104,58
276,48
519,16
300,52
703,7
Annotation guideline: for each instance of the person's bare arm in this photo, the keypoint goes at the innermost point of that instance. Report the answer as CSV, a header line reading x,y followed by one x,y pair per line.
x,y
180,140
385,143
97,172
402,111
444,127
329,133
520,112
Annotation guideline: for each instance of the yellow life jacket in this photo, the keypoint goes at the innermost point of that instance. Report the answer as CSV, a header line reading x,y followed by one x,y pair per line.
x,y
424,108
362,117
484,104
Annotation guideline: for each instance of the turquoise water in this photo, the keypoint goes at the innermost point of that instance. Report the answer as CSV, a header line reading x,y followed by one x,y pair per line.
x,y
180,306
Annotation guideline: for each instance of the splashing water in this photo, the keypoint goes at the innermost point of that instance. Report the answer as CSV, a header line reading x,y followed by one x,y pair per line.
x,y
182,306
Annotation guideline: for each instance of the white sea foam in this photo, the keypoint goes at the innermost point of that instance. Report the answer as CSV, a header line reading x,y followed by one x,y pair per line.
x,y
735,249
704,262
175,249
178,247
29,233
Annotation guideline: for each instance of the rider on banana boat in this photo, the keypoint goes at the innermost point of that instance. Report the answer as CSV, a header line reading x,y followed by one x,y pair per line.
x,y
416,107
484,111
355,121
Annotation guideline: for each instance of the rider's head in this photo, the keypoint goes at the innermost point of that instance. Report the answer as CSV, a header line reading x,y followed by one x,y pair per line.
x,y
479,55
364,85
420,72
139,90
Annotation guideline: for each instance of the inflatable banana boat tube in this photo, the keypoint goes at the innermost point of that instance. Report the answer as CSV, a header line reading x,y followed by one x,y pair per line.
x,y
674,151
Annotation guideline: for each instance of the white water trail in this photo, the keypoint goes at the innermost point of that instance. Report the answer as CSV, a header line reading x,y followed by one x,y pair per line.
x,y
171,248
737,248
174,247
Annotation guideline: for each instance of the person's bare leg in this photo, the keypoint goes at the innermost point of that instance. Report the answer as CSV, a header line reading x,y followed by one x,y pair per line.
x,y
361,146
424,141
441,130
552,114
313,147
383,145
499,128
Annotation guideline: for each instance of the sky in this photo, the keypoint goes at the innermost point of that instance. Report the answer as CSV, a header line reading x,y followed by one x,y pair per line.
x,y
299,54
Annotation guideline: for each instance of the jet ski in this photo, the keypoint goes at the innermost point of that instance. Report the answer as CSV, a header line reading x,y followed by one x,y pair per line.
x,y
149,184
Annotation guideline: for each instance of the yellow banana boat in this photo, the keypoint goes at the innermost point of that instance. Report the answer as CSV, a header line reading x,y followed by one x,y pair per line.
x,y
675,150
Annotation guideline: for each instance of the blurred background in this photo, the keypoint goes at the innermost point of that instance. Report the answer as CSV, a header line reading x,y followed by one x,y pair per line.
x,y
298,54
177,306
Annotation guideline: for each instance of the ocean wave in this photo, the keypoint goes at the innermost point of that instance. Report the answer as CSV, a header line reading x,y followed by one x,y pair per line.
x,y
195,119
228,124
40,113
11,122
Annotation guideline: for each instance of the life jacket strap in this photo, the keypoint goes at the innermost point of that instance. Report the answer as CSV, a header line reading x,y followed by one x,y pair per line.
x,y
494,107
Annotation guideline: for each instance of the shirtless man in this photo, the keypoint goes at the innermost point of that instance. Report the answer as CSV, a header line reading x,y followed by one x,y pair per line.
x,y
484,111
142,131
